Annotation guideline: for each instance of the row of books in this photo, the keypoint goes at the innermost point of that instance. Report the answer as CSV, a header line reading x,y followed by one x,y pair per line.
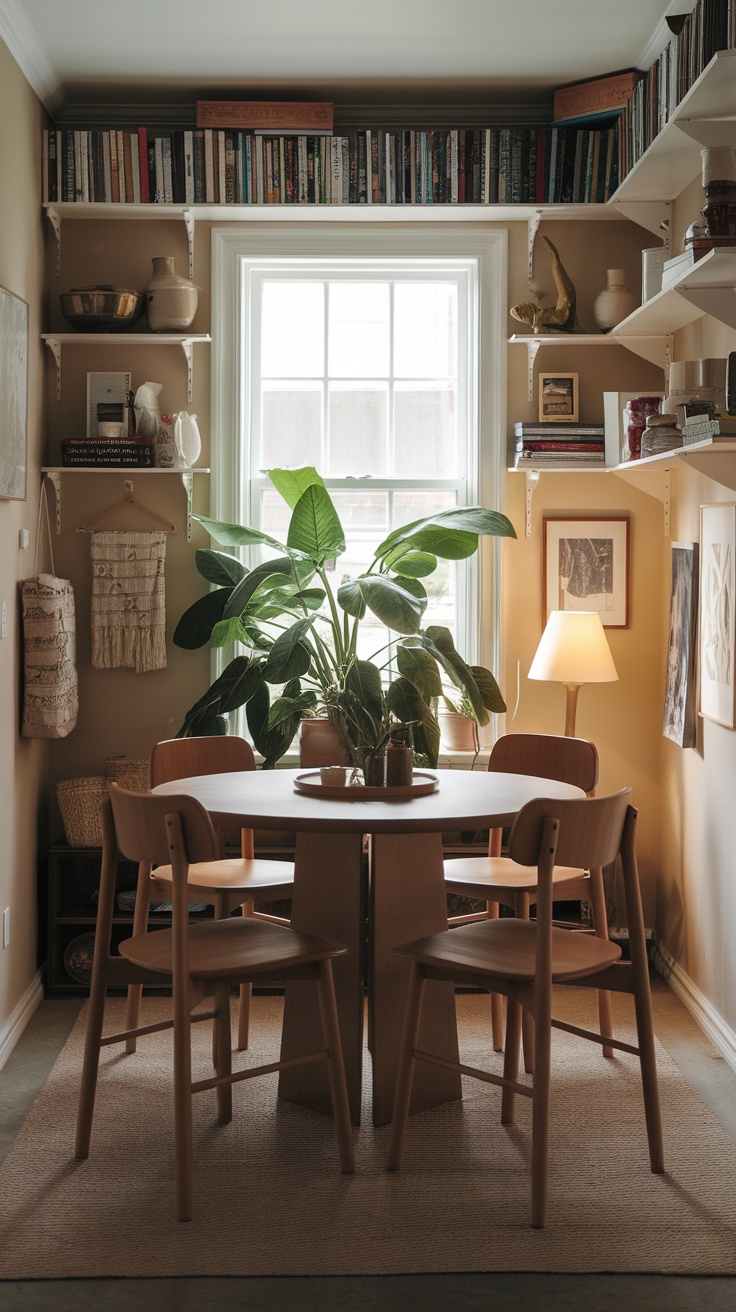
x,y
709,28
559,444
495,165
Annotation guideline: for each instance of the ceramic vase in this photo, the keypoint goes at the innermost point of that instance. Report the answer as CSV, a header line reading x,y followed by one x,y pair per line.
x,y
187,440
171,301
614,303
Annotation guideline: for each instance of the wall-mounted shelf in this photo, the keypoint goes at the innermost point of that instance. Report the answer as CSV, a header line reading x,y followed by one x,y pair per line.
x,y
652,475
709,287
54,474
532,476
533,342
55,341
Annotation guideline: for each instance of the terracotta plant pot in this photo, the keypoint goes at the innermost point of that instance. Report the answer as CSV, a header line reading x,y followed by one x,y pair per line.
x,y
319,744
458,732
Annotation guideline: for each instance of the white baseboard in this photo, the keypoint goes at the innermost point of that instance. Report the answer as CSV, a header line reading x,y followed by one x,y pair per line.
x,y
19,1018
721,1036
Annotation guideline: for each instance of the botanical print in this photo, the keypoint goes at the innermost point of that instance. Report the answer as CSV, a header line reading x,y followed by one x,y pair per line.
x,y
718,541
679,722
586,567
585,574
13,395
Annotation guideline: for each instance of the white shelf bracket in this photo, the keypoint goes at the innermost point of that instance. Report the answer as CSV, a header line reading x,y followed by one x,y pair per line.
x,y
531,355
532,478
532,230
654,215
188,218
56,480
186,346
187,481
54,346
55,221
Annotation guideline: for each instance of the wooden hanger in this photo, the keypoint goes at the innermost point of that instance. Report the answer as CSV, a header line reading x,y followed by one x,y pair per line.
x,y
128,500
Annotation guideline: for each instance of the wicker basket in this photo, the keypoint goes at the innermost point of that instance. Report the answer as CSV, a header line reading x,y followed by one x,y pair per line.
x,y
129,774
79,802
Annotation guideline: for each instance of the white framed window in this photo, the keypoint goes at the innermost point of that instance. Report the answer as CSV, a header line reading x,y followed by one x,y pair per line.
x,y
378,356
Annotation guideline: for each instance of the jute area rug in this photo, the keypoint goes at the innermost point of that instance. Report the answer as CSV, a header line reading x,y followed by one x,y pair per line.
x,y
269,1198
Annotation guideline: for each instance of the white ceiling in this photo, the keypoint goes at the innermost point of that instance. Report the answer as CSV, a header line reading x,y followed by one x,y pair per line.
x,y
145,51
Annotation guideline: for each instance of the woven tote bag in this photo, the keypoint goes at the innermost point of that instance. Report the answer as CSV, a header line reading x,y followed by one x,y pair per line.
x,y
50,693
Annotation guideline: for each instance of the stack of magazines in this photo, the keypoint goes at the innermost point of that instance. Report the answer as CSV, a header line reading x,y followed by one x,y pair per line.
x,y
559,444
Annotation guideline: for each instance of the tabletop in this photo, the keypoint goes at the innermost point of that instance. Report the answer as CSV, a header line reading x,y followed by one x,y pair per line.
x,y
464,799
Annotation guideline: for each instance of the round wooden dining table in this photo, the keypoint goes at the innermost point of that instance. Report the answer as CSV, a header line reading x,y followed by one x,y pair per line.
x,y
403,899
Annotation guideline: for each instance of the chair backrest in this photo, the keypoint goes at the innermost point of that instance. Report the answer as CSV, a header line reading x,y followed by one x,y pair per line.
x,y
140,826
569,760
590,829
183,758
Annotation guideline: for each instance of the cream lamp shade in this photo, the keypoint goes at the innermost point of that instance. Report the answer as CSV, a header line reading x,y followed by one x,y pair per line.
x,y
573,650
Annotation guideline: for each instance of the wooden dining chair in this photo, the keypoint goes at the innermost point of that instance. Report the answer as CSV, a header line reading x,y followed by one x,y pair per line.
x,y
199,961
226,883
522,959
495,879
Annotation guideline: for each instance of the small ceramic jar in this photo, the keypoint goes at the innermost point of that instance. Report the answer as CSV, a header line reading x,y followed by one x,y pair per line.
x,y
661,434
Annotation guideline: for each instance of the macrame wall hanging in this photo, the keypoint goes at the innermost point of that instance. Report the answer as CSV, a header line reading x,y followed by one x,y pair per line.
x,y
128,600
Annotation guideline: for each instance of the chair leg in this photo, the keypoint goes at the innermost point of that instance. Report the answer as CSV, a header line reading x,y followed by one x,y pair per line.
x,y
540,1120
522,910
407,1063
600,924
223,1067
140,925
511,1059
335,1066
90,1065
246,992
183,1104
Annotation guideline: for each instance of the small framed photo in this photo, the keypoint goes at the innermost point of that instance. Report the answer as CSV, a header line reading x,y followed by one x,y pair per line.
x,y
107,401
717,627
558,398
586,567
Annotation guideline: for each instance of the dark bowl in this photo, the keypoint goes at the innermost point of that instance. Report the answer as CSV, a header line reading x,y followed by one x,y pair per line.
x,y
101,309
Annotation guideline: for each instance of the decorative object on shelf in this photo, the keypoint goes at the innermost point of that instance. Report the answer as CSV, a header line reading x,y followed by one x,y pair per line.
x,y
573,650
661,434
13,394
696,244
559,444
132,452
560,317
586,567
719,185
78,956
615,302
314,660
652,271
616,420
636,412
308,117
128,773
146,408
101,309
79,803
107,389
171,300
558,398
187,440
680,699
50,685
717,615
696,380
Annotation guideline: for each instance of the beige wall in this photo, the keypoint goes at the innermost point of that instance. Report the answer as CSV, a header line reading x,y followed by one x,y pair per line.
x,y
22,763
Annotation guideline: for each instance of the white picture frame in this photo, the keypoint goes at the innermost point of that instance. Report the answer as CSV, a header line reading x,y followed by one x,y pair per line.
x,y
717,621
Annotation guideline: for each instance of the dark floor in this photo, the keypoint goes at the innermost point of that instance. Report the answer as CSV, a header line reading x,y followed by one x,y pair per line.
x,y
34,1055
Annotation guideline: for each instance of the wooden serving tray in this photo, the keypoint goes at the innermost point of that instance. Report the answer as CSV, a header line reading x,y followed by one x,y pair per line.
x,y
311,784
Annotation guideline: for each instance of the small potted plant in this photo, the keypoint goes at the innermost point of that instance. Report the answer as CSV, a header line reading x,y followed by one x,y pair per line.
x,y
300,634
458,724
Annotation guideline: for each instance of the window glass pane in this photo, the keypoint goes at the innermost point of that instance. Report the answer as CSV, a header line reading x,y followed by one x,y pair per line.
x,y
292,330
425,431
358,429
359,329
291,424
425,330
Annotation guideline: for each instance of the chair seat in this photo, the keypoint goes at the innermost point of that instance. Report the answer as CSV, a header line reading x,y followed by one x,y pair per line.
x,y
260,880
506,948
485,877
235,948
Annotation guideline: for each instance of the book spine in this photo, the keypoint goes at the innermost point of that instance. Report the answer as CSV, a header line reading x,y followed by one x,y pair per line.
x,y
143,165
188,167
199,167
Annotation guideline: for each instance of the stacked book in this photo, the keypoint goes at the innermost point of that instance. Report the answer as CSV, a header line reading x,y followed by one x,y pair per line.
x,y
702,428
579,445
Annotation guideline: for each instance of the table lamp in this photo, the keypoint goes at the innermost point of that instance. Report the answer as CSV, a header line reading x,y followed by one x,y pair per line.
x,y
573,650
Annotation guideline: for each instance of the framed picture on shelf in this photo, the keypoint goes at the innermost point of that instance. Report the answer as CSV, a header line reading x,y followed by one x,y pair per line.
x,y
680,698
558,398
586,567
107,402
13,395
717,628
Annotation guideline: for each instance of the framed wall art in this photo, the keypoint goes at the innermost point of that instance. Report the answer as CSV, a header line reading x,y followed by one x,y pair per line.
x,y
680,698
558,398
586,567
717,629
13,395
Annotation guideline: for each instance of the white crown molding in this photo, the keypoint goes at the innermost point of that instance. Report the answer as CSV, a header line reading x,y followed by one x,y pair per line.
x,y
23,44
662,33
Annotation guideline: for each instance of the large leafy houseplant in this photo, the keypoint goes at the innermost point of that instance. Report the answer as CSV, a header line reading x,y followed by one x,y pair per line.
x,y
300,633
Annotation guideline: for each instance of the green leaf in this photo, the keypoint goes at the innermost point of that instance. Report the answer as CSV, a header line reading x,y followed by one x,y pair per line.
x,y
350,598
315,527
204,724
460,673
234,535
291,484
474,521
411,564
289,656
279,569
196,624
393,604
364,681
218,567
489,689
228,631
416,664
238,683
271,743
284,709
312,598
